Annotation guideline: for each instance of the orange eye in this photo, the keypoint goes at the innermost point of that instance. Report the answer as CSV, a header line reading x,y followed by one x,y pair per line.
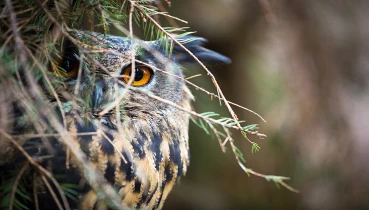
x,y
66,67
142,75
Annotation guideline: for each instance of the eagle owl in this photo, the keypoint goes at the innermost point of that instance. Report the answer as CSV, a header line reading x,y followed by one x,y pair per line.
x,y
129,120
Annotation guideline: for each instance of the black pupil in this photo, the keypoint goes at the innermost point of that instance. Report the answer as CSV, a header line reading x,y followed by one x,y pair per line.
x,y
139,74
69,61
67,64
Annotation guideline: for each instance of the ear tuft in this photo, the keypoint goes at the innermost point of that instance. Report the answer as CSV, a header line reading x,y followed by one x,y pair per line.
x,y
195,45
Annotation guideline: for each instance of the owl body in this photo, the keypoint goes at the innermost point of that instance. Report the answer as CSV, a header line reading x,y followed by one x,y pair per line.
x,y
140,145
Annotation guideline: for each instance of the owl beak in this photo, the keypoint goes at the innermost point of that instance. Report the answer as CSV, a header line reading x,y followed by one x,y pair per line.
x,y
97,95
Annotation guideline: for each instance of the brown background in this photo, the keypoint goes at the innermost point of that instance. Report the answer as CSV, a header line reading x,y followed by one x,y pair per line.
x,y
302,65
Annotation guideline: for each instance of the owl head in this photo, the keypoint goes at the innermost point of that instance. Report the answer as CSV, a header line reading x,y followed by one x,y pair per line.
x,y
101,70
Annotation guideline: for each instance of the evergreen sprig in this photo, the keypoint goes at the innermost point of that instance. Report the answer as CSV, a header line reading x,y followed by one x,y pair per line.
x,y
206,122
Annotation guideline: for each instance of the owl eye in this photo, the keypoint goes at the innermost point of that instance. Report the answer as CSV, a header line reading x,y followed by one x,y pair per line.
x,y
142,75
68,66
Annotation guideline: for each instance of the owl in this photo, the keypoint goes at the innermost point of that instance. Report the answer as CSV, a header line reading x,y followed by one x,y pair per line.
x,y
129,119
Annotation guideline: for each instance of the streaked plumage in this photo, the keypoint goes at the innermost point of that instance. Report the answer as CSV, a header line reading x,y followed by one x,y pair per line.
x,y
143,150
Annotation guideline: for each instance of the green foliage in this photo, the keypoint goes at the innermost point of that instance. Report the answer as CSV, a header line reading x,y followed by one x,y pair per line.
x,y
206,121
22,196
255,147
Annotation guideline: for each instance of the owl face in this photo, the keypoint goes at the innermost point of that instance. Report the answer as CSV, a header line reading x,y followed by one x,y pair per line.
x,y
102,75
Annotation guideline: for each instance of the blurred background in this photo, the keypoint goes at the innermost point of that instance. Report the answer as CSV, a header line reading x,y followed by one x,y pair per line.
x,y
303,66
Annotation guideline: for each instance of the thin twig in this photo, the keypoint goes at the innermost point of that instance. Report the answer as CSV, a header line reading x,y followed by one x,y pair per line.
x,y
51,192
168,17
278,179
115,147
35,196
15,186
193,76
26,136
